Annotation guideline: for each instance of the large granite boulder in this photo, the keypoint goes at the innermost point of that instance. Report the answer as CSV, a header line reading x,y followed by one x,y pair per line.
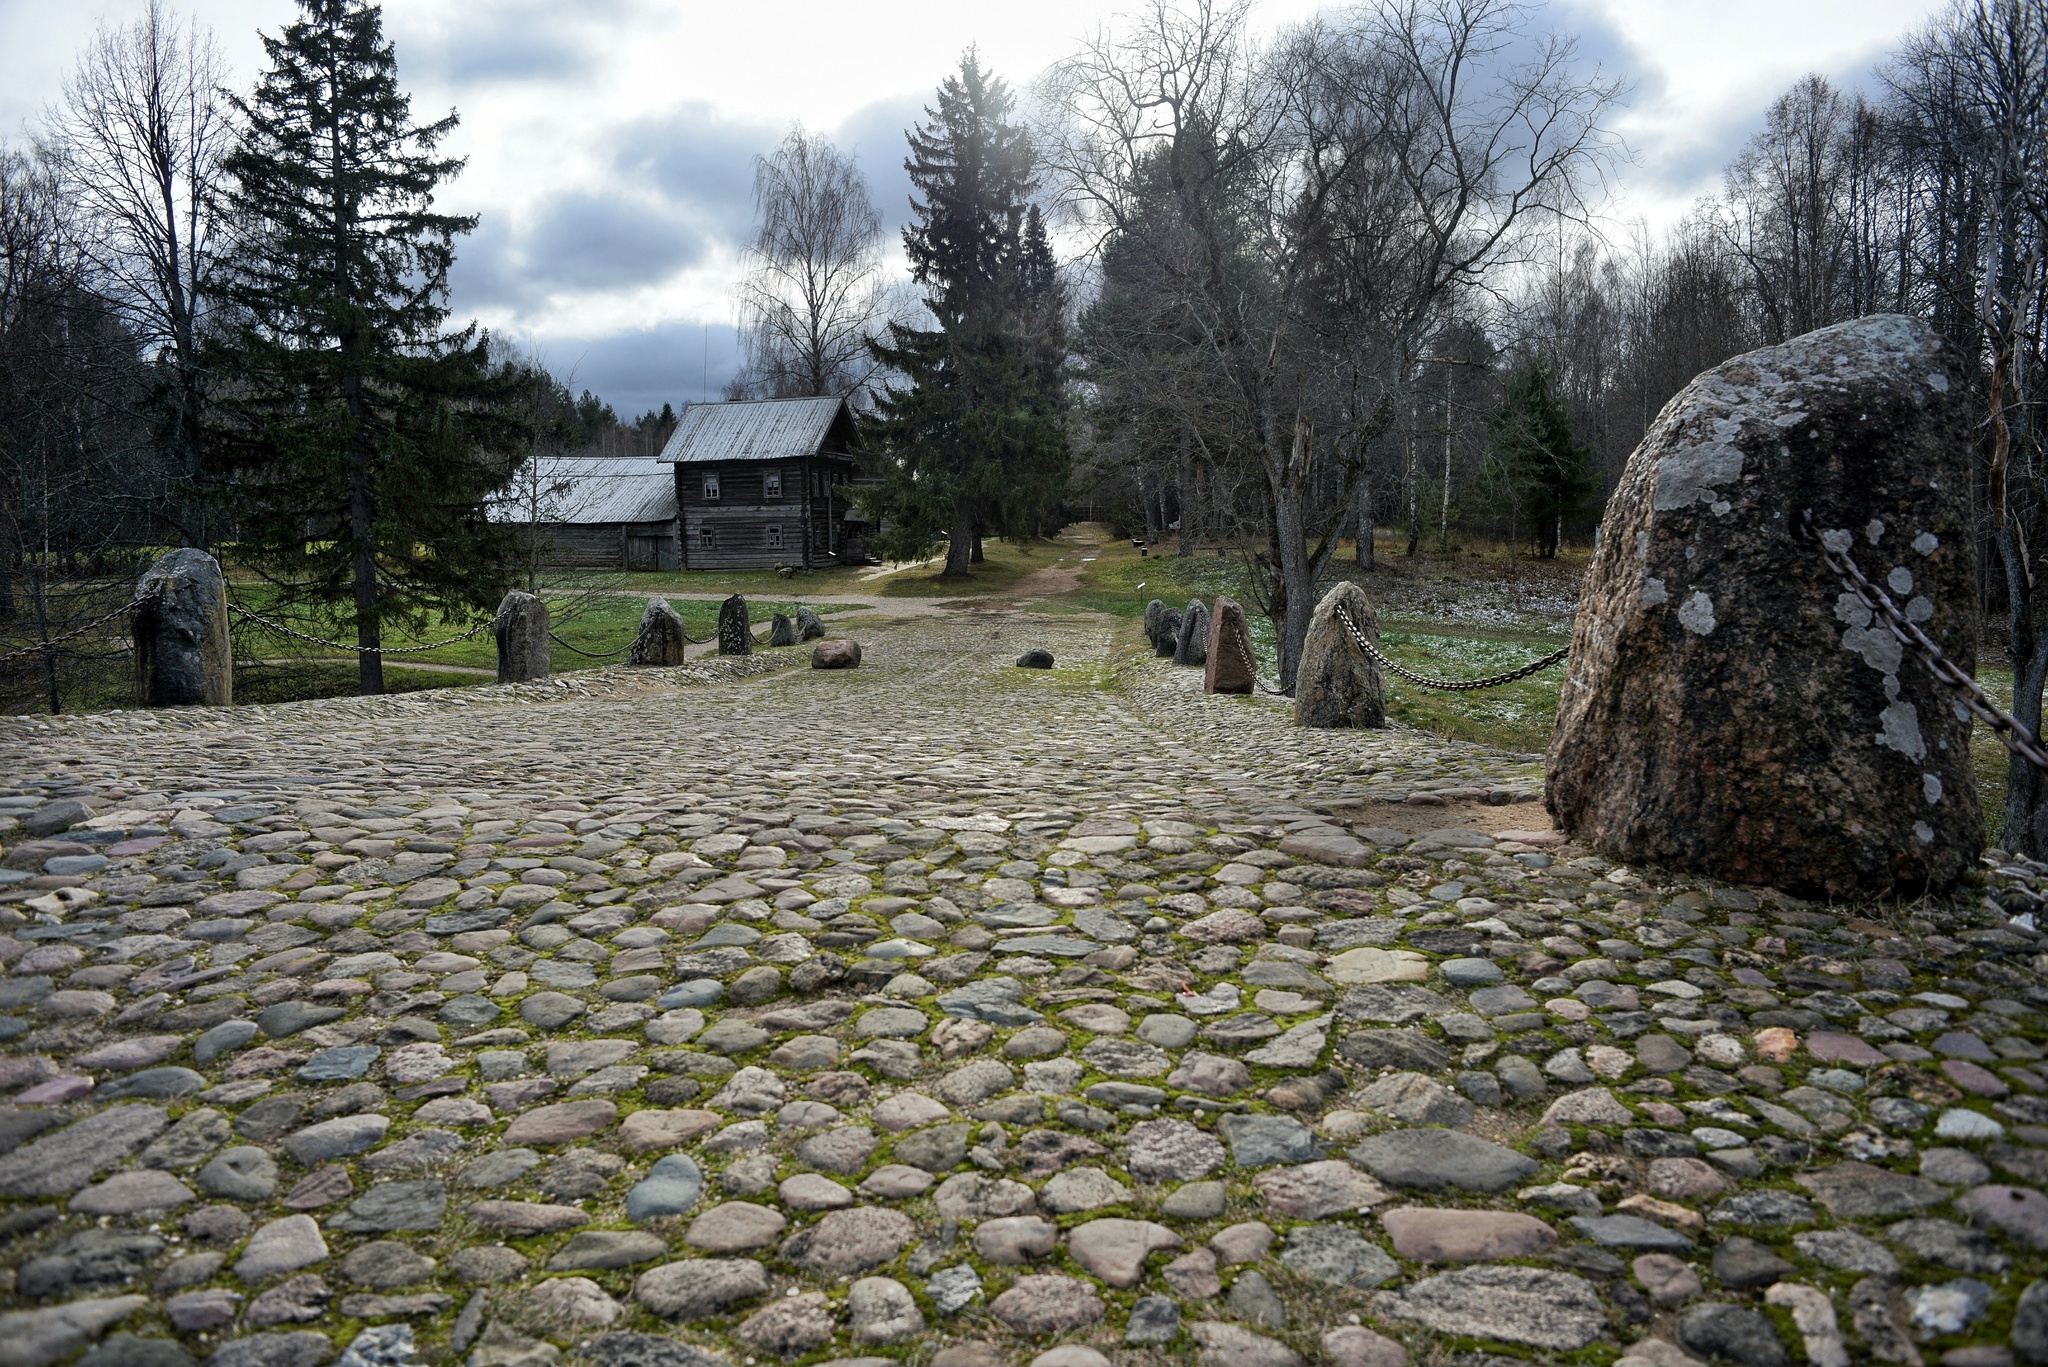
x,y
836,655
1729,708
521,627
1337,683
735,627
1228,665
1191,647
182,657
661,640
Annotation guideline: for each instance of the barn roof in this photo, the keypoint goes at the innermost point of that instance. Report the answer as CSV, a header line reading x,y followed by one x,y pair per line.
x,y
581,490
760,429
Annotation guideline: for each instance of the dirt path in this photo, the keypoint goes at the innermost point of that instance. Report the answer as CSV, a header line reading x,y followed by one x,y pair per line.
x,y
1062,576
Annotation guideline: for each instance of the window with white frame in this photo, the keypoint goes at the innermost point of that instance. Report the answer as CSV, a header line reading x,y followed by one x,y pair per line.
x,y
775,538
710,487
772,484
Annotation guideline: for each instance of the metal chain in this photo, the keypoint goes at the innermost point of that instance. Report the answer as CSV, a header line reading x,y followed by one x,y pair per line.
x,y
1251,666
593,655
2016,737
283,630
138,601
1372,652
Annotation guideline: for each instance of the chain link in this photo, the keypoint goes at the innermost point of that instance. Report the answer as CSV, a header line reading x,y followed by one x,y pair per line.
x,y
594,655
2008,728
1251,665
1372,652
283,630
139,600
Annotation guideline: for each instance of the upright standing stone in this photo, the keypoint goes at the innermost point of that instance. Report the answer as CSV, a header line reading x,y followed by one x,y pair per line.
x,y
182,658
735,627
1155,613
809,625
1729,708
661,640
1228,667
521,627
781,631
1192,645
1337,684
1168,639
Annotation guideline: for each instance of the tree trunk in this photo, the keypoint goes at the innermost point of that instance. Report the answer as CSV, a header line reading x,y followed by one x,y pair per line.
x,y
1364,553
1190,501
1287,468
1297,577
369,631
976,557
960,550
2026,788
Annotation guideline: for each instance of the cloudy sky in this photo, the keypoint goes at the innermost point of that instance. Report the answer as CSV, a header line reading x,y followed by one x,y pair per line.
x,y
610,141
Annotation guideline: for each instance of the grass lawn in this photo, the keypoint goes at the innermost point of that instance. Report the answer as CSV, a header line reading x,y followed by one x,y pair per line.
x,y
765,583
1003,565
269,668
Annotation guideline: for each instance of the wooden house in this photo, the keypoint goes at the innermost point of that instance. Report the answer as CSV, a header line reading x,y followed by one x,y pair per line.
x,y
597,512
762,483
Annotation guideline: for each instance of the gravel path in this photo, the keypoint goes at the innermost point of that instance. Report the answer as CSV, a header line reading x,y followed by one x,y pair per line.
x,y
945,1012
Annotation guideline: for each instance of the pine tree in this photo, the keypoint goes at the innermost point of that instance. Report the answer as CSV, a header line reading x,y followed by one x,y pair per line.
x,y
975,441
1550,472
361,436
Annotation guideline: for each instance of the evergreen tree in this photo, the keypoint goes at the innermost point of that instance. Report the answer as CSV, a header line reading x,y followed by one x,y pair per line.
x,y
1549,472
361,436
975,441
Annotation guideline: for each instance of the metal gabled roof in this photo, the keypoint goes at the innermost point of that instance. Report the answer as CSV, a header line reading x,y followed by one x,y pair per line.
x,y
759,429
581,490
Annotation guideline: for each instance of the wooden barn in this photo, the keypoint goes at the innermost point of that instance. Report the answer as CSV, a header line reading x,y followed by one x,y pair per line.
x,y
601,512
762,483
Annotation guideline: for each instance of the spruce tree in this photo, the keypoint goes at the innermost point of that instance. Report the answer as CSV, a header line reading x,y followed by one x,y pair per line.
x,y
361,435
1533,440
974,439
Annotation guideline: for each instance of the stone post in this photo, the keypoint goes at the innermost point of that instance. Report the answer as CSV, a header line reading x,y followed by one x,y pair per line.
x,y
1729,709
1229,666
1337,685
521,627
781,631
809,625
1168,640
1192,647
661,640
182,657
1155,613
735,627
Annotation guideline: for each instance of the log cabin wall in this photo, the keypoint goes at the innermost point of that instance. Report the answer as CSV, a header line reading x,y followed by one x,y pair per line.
x,y
745,528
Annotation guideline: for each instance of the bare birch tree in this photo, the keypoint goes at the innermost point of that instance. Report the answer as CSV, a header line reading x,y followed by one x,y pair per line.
x,y
139,134
814,291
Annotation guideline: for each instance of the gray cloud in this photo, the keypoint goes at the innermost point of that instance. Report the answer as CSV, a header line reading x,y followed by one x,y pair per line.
x,y
699,160
609,240
637,372
511,41
575,242
875,134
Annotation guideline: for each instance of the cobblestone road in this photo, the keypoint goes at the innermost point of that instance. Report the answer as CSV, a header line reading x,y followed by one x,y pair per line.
x,y
950,1013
